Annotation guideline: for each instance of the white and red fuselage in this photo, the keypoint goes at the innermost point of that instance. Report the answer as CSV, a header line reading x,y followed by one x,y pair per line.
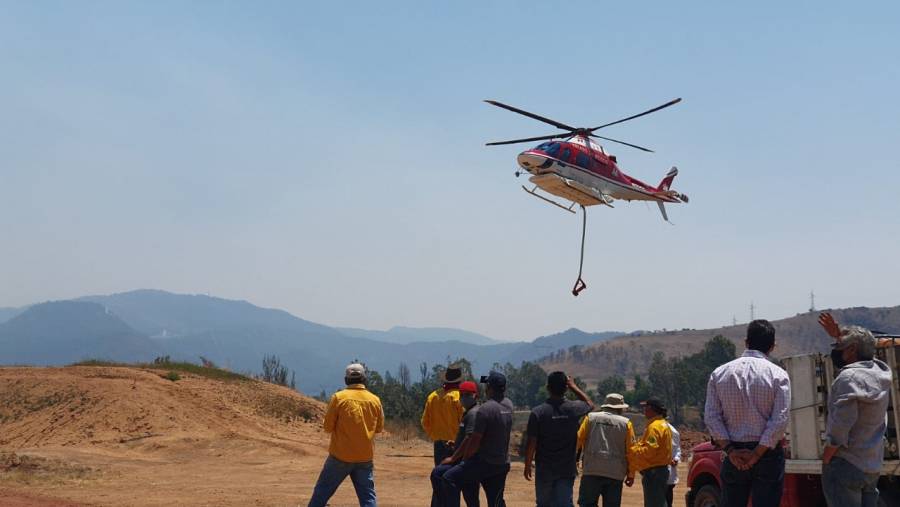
x,y
578,169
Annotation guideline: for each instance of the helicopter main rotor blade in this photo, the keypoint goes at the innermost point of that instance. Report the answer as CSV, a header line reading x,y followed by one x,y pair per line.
x,y
655,109
555,123
541,138
623,142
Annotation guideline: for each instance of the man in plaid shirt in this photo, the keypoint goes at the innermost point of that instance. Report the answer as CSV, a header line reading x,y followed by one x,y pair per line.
x,y
747,408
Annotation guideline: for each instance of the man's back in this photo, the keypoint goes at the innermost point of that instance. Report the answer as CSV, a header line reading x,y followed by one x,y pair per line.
x,y
494,422
605,439
554,424
748,400
442,414
353,418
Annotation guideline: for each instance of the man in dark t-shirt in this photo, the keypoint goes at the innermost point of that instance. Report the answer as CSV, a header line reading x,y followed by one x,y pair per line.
x,y
468,397
552,439
485,453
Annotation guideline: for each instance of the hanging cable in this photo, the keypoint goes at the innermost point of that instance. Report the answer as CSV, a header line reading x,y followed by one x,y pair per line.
x,y
579,284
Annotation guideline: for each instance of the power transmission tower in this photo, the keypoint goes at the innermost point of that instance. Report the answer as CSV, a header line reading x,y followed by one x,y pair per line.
x,y
733,320
752,311
812,301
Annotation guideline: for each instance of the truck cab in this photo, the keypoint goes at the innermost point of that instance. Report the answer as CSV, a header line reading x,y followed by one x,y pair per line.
x,y
811,377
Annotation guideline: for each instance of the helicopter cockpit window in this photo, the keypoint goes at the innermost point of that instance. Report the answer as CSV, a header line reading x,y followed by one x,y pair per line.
x,y
566,154
582,160
552,149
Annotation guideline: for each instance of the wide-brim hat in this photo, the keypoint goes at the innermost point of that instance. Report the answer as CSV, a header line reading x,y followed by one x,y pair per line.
x,y
615,401
452,374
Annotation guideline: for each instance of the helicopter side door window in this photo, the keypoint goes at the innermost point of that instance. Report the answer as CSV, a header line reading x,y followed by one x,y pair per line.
x,y
566,155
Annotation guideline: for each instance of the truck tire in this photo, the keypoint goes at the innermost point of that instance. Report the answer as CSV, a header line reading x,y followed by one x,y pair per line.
x,y
707,496
888,493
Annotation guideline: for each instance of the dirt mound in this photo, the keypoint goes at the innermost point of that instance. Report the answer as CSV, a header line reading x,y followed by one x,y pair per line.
x,y
115,406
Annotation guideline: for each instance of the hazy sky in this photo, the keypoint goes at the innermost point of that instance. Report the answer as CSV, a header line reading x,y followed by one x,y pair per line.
x,y
328,158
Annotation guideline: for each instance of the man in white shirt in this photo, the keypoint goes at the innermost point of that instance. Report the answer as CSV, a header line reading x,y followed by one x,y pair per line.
x,y
673,467
748,404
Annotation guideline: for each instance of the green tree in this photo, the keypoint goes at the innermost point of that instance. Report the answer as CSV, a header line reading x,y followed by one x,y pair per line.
x,y
611,384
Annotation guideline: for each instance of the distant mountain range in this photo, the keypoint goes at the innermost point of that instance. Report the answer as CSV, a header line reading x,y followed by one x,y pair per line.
x,y
142,324
8,313
627,355
66,331
404,335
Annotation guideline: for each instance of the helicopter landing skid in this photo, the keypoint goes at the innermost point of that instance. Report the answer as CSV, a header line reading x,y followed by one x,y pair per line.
x,y
551,201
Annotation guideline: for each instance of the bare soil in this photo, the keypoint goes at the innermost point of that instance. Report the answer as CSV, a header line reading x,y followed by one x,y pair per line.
x,y
99,436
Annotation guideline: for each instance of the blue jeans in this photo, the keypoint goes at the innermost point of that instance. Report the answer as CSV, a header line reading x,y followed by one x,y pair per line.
x,y
553,492
333,474
847,486
469,491
655,481
594,486
763,482
474,471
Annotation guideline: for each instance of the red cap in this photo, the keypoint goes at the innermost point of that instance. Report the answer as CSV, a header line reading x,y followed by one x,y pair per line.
x,y
468,387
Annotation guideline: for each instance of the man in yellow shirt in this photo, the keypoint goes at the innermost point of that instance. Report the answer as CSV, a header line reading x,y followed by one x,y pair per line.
x,y
652,454
353,418
443,412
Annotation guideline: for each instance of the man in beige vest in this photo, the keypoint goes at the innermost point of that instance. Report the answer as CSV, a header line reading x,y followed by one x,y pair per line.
x,y
605,439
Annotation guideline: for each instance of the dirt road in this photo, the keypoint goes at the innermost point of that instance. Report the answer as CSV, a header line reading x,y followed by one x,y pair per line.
x,y
241,475
126,437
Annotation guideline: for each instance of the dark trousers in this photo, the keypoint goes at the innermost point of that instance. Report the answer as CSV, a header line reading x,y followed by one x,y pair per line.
x,y
474,471
469,491
593,487
670,494
441,451
655,482
763,482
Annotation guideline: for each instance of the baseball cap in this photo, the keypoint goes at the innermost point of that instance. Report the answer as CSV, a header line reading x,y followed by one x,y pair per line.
x,y
494,379
655,403
355,370
468,387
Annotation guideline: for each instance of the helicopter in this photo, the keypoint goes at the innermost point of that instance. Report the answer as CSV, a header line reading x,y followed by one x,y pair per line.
x,y
573,166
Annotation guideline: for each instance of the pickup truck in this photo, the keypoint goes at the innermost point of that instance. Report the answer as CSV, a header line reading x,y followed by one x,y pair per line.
x,y
811,377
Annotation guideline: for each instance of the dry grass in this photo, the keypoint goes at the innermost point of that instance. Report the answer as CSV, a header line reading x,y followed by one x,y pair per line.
x,y
32,470
404,430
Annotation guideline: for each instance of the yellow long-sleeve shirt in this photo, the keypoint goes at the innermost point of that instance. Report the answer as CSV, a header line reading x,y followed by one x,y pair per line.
x,y
442,414
353,418
654,448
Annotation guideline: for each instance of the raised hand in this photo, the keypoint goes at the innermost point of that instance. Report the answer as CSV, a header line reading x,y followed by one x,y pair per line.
x,y
829,325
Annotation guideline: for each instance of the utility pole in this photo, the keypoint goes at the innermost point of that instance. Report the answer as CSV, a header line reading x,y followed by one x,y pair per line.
x,y
812,301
